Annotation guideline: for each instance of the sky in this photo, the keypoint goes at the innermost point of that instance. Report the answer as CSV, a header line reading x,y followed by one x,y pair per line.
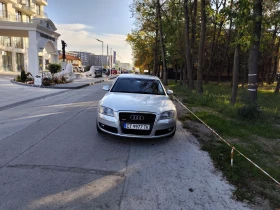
x,y
81,22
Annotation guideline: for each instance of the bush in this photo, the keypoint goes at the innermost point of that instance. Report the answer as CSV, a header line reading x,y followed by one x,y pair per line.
x,y
46,82
18,78
87,68
249,112
23,76
54,68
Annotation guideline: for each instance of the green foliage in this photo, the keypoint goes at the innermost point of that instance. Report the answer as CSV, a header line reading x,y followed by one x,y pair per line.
x,y
54,68
46,81
23,76
256,138
87,68
18,78
249,112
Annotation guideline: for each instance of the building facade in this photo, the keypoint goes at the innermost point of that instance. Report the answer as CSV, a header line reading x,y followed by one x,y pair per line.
x,y
71,59
84,56
99,60
28,39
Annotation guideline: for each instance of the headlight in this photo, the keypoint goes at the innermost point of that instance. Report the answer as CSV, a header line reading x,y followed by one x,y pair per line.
x,y
167,115
106,111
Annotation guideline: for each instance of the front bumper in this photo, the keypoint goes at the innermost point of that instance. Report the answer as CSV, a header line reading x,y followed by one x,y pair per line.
x,y
112,125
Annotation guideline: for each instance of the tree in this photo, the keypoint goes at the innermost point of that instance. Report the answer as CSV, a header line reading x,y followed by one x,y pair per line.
x,y
188,47
164,69
199,88
254,52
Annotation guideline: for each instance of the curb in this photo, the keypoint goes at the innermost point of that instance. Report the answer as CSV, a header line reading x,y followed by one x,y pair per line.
x,y
61,87
46,96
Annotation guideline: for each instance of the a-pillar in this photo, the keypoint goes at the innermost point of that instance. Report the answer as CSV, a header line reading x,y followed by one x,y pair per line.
x,y
33,59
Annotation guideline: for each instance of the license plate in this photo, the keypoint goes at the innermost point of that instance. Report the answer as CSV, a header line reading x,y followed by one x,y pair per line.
x,y
136,126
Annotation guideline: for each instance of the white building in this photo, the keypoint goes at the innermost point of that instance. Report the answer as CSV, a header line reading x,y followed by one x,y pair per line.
x,y
27,37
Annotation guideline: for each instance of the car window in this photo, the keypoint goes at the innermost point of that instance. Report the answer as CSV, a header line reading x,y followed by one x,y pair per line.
x,y
141,86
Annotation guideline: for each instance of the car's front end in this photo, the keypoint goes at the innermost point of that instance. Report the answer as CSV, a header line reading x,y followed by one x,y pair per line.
x,y
131,123
140,112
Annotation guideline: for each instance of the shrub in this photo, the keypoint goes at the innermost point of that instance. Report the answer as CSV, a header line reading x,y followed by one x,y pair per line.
x,y
46,82
87,68
63,79
23,76
54,68
249,111
18,78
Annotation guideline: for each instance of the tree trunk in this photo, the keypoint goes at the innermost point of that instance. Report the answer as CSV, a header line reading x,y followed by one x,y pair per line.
x,y
227,44
199,88
268,76
176,72
278,85
244,70
193,25
188,53
276,60
235,76
164,69
254,52
181,74
156,52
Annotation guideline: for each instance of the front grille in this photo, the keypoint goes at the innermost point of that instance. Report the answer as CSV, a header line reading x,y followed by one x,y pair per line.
x,y
145,118
148,118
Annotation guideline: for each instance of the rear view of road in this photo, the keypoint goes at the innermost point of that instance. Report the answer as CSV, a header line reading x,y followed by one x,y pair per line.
x,y
52,157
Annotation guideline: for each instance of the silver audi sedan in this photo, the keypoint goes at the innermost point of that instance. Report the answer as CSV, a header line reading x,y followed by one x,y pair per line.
x,y
137,106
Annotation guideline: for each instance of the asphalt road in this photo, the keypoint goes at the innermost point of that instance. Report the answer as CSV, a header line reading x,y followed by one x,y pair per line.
x,y
51,157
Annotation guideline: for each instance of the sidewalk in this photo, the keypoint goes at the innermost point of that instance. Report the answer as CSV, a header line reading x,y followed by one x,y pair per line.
x,y
13,94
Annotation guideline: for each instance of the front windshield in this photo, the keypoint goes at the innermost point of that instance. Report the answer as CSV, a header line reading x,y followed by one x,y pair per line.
x,y
141,86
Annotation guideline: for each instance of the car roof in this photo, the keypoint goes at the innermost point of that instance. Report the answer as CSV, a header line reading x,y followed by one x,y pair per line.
x,y
138,76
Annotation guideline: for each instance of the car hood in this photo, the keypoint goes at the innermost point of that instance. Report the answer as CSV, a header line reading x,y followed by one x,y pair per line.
x,y
137,102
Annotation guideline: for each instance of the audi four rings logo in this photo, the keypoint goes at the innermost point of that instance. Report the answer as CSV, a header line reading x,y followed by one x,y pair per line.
x,y
137,117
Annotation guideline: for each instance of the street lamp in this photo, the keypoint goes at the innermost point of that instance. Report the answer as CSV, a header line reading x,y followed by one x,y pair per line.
x,y
102,52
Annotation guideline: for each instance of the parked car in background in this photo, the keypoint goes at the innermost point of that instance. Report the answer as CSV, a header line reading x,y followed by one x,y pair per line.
x,y
98,73
137,106
114,71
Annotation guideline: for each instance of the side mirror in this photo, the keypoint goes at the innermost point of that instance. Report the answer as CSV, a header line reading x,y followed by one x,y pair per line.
x,y
107,88
169,92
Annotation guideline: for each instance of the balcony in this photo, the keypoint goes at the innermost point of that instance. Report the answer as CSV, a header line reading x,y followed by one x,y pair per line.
x,y
7,16
41,14
7,1
42,2
23,6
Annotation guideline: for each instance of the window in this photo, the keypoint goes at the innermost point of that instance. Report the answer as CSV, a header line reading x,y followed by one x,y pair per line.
x,y
138,85
20,61
27,3
28,19
38,12
5,41
7,61
19,16
18,42
3,10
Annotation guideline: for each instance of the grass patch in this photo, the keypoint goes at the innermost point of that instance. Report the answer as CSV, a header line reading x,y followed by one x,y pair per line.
x,y
257,138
